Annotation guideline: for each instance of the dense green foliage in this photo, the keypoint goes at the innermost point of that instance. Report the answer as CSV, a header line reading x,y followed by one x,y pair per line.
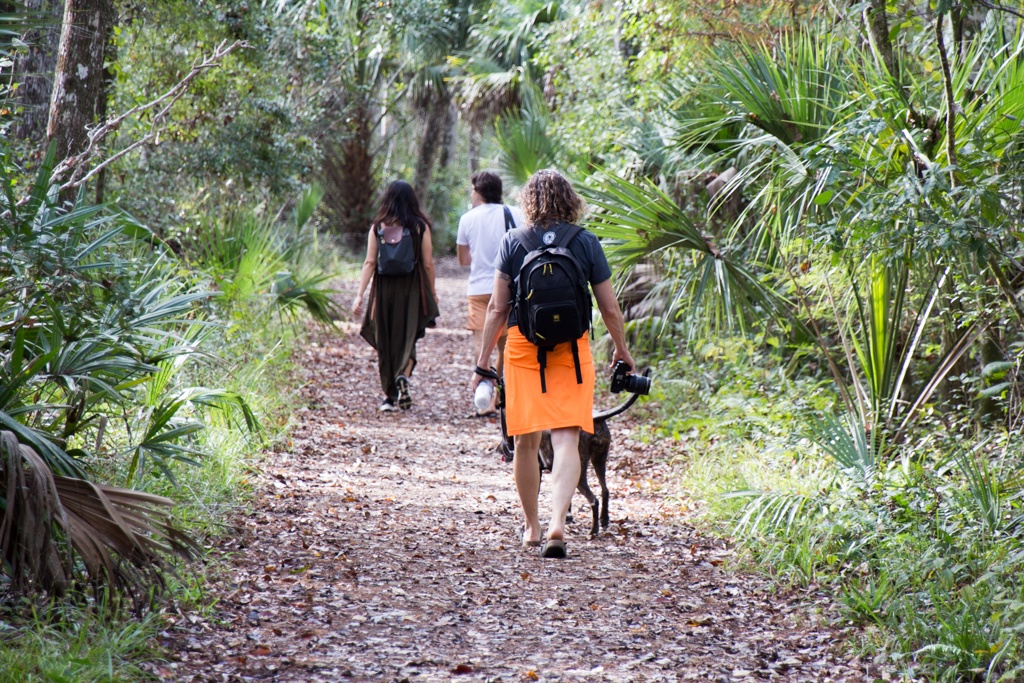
x,y
822,205
845,266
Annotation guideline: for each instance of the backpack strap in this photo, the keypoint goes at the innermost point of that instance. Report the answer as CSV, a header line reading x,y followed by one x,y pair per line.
x,y
576,361
568,235
542,360
510,223
529,238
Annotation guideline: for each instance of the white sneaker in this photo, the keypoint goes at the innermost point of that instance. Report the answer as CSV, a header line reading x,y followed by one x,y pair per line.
x,y
388,406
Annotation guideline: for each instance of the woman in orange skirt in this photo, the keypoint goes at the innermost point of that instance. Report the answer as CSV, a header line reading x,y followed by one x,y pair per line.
x,y
556,398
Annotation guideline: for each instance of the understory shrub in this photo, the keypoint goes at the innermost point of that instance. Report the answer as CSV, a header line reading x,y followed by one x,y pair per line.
x,y
132,379
922,547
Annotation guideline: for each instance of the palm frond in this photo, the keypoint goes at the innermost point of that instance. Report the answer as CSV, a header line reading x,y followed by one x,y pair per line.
x,y
525,147
295,291
769,511
638,222
120,535
854,445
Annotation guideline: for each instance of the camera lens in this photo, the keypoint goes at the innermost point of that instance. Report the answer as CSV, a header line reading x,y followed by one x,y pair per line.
x,y
637,384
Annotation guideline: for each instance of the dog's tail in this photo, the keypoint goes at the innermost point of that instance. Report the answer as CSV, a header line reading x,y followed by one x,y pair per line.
x,y
617,410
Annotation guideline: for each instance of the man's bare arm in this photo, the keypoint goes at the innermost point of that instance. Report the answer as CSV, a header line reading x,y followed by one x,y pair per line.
x,y
497,317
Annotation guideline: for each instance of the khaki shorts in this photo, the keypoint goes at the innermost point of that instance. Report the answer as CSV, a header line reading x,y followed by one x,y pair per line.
x,y
478,313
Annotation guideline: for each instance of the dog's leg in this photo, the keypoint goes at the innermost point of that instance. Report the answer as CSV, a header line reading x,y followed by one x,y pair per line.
x,y
545,454
601,443
586,444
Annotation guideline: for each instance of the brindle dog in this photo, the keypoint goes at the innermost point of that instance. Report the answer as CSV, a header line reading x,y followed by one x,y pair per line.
x,y
594,450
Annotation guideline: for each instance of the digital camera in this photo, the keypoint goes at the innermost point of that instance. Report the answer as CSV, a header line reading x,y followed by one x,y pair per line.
x,y
624,380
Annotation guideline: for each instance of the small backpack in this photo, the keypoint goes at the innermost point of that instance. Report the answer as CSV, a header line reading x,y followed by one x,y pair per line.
x,y
398,258
552,296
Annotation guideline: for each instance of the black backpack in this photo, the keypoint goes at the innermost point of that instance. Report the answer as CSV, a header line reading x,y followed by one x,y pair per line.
x,y
552,295
395,259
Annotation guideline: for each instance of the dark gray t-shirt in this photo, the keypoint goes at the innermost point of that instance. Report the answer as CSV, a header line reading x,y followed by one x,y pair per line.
x,y
585,247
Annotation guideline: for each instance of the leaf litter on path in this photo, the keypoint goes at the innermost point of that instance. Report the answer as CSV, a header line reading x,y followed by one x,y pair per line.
x,y
384,547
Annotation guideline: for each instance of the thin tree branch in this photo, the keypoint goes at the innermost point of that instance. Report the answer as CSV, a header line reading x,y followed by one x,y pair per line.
x,y
1000,8
77,164
947,79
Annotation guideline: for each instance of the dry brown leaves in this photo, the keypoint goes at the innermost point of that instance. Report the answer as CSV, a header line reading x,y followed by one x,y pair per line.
x,y
384,548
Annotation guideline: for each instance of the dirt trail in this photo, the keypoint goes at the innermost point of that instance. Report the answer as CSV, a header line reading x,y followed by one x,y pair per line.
x,y
384,548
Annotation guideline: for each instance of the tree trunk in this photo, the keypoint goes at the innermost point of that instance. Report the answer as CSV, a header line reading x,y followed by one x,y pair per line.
x,y
78,81
109,79
878,35
430,144
350,181
991,352
475,138
451,122
34,70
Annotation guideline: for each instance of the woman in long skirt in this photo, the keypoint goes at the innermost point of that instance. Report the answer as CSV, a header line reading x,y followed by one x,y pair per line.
x,y
399,269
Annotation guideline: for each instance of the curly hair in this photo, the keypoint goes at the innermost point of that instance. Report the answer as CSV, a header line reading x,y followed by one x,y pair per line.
x,y
547,197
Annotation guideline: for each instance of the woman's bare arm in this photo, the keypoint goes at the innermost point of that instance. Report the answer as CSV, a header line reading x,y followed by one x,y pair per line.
x,y
427,249
612,316
369,265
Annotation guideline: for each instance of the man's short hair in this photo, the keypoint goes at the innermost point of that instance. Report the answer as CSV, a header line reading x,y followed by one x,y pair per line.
x,y
488,186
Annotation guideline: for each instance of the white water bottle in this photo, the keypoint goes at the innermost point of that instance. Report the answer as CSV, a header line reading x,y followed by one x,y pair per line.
x,y
484,394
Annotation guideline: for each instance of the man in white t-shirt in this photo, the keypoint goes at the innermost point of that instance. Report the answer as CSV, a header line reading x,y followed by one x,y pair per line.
x,y
481,230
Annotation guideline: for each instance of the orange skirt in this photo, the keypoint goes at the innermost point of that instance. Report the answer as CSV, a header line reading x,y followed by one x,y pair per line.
x,y
565,404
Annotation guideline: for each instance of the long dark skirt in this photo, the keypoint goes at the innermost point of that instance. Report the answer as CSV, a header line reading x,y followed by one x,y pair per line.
x,y
399,312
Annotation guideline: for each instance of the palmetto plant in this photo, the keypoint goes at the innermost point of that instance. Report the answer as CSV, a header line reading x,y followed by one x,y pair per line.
x,y
525,147
701,279
833,162
249,254
90,312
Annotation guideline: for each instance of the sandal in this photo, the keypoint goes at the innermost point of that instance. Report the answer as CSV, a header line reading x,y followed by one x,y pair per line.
x,y
553,547
527,544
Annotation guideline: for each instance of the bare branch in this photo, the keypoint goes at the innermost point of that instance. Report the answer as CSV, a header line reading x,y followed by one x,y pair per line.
x,y
1000,8
78,164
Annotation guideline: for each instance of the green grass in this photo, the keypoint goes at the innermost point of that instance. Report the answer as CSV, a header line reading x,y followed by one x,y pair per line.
x,y
923,552
72,644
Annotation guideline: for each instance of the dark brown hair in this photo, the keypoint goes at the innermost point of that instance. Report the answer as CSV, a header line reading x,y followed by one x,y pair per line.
x,y
547,197
399,206
487,185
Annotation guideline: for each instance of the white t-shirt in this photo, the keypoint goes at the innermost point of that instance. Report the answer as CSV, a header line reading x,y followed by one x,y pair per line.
x,y
481,229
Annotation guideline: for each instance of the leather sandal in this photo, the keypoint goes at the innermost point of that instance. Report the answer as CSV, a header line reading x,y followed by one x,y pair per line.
x,y
527,544
553,547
